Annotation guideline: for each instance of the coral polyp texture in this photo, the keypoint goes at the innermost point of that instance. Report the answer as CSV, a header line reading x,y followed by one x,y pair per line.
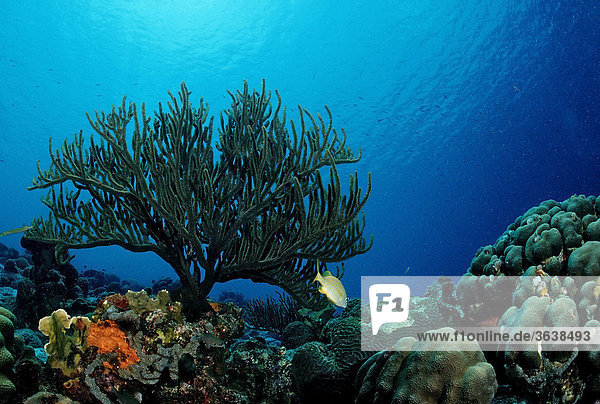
x,y
555,238
324,371
140,347
418,373
7,387
19,368
260,208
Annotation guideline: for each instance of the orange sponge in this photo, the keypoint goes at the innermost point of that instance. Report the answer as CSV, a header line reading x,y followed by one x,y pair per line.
x,y
108,337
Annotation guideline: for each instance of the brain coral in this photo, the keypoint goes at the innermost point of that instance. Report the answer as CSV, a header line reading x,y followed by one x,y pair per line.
x,y
418,373
324,372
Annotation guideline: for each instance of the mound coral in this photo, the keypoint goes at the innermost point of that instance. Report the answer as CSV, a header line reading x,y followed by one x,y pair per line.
x,y
554,238
421,374
260,210
558,238
7,387
19,368
548,372
324,371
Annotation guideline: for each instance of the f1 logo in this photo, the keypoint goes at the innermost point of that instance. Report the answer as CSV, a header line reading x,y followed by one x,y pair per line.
x,y
388,303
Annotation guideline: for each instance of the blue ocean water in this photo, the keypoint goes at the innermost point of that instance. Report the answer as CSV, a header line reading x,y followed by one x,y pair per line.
x,y
467,113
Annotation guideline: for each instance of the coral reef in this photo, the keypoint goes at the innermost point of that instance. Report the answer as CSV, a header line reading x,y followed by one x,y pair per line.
x,y
416,373
554,238
141,346
272,314
258,364
258,209
231,296
558,238
7,253
7,387
324,372
537,373
46,285
551,239
19,368
546,372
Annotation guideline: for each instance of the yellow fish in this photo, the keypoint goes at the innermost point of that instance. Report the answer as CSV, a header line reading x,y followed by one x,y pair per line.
x,y
14,231
331,287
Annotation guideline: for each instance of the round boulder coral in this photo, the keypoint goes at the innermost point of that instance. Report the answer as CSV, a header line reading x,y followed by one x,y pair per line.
x,y
296,334
7,388
547,372
553,237
420,372
585,260
324,372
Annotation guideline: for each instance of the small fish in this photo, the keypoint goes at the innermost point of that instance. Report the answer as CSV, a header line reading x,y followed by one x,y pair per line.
x,y
15,231
331,287
210,340
126,397
516,88
489,322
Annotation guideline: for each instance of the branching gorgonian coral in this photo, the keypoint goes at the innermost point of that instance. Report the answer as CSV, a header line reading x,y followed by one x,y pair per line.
x,y
256,208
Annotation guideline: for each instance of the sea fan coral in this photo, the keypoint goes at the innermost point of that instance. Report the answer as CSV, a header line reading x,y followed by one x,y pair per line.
x,y
260,210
